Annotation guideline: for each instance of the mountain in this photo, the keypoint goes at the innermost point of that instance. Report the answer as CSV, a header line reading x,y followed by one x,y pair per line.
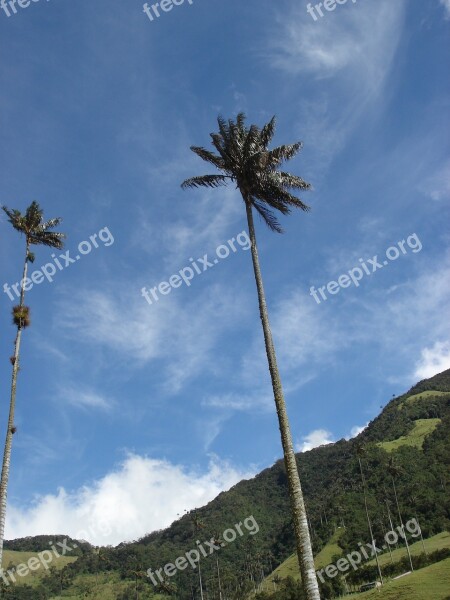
x,y
414,428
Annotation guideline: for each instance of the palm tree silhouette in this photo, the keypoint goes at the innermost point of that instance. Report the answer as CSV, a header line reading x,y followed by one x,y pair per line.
x,y
244,159
36,232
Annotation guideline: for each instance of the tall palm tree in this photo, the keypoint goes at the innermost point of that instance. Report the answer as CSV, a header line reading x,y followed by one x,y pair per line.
x,y
244,159
394,471
36,232
360,452
198,525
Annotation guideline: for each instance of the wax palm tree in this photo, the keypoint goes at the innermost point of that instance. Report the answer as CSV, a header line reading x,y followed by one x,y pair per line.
x,y
414,498
394,471
244,159
198,525
218,541
360,452
36,232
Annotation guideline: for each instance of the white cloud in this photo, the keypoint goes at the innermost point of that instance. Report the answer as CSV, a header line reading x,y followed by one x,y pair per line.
x,y
446,5
318,437
140,496
244,401
85,399
437,185
356,430
433,360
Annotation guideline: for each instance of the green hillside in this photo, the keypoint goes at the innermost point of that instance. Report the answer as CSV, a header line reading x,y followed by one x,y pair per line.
x,y
332,489
415,437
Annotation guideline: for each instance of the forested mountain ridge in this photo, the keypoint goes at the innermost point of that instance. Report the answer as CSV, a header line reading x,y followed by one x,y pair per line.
x,y
331,484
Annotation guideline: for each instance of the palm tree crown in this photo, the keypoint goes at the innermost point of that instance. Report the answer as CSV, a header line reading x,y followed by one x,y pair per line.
x,y
244,157
32,226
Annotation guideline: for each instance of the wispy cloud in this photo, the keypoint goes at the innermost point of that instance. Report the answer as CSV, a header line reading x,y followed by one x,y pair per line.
x,y
348,56
446,5
362,38
182,335
85,399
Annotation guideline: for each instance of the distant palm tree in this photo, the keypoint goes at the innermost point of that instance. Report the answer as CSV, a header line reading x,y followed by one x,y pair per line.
x,y
36,232
218,541
198,525
244,159
360,452
394,471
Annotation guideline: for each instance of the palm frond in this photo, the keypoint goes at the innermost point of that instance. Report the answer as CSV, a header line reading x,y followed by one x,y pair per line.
x,y
211,181
16,218
223,128
267,132
51,239
252,142
208,156
267,215
51,223
291,181
283,153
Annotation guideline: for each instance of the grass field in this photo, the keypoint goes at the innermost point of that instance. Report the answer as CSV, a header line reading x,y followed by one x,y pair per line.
x,y
416,437
423,395
290,566
429,583
103,587
437,542
11,557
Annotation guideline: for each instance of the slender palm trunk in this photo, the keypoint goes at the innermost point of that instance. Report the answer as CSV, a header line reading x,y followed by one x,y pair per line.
x,y
390,518
303,542
12,406
200,580
218,578
421,536
401,523
368,521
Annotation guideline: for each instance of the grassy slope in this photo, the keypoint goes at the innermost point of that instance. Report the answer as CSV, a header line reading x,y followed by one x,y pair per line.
x,y
429,583
290,566
16,558
437,542
421,395
104,587
415,437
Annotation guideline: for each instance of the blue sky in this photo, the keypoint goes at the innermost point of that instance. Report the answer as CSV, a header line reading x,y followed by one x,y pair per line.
x,y
129,413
